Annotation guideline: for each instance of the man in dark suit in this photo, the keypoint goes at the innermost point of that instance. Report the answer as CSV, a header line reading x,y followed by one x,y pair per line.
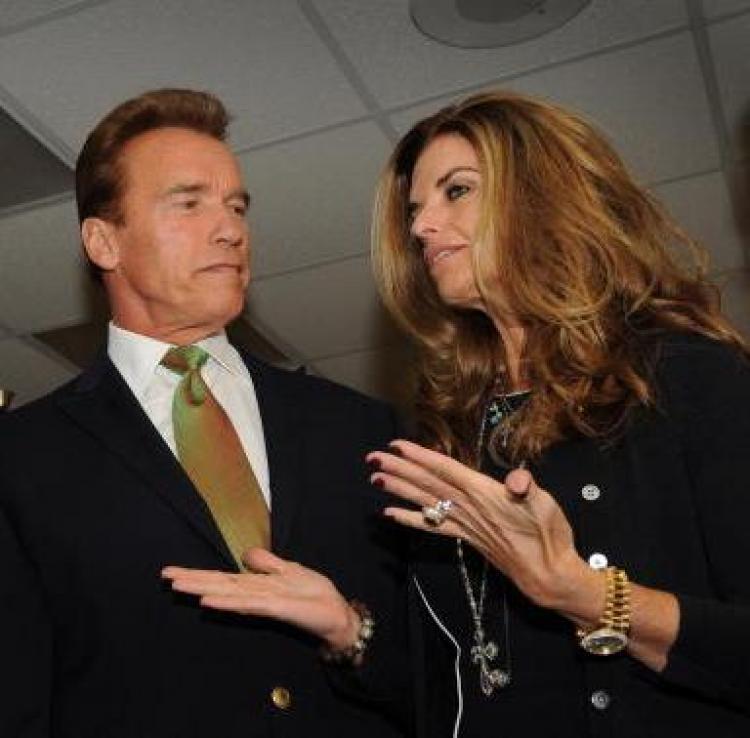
x,y
97,494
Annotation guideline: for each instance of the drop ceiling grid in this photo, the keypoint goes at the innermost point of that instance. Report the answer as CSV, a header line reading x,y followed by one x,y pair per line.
x,y
400,65
311,198
262,58
326,311
372,372
703,207
323,302
649,99
19,14
43,284
729,43
719,8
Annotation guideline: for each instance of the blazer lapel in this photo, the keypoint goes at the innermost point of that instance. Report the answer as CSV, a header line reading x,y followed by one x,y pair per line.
x,y
102,403
282,417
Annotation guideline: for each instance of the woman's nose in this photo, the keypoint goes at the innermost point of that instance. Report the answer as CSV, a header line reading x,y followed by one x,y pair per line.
x,y
426,221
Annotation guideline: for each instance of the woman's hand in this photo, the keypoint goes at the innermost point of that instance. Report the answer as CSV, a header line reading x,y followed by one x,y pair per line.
x,y
517,526
274,588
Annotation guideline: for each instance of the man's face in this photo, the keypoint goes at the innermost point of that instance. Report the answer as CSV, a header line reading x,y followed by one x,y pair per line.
x,y
182,251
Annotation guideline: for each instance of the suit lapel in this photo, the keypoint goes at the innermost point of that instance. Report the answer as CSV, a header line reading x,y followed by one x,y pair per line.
x,y
102,403
283,420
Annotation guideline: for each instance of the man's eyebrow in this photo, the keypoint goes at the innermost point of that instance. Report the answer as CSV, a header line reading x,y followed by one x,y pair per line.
x,y
242,194
197,189
186,189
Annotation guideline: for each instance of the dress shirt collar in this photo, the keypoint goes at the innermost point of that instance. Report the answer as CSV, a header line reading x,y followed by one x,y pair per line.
x,y
137,356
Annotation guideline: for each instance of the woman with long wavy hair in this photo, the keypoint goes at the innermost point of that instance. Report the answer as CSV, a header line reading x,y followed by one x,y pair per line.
x,y
582,415
582,409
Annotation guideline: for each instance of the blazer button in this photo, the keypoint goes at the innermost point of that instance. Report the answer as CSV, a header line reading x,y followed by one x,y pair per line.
x,y
590,492
598,561
600,699
281,697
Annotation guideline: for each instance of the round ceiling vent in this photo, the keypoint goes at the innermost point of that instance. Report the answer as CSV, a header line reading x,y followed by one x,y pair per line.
x,y
483,24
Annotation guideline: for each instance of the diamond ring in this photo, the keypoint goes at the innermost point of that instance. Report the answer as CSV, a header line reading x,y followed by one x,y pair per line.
x,y
435,514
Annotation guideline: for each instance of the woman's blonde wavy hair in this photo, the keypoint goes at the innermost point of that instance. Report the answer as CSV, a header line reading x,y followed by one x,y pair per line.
x,y
580,255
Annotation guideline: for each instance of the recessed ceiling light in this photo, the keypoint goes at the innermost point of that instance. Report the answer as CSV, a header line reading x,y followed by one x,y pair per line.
x,y
483,24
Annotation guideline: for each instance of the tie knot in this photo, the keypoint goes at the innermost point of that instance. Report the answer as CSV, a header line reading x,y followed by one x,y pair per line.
x,y
181,359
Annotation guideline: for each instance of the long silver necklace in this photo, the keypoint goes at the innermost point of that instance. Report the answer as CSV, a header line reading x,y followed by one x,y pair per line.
x,y
485,651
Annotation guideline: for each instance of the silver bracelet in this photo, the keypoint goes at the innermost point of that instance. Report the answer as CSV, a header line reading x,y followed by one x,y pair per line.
x,y
355,653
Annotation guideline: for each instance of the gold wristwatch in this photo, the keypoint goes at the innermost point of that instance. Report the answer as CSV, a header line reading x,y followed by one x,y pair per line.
x,y
610,634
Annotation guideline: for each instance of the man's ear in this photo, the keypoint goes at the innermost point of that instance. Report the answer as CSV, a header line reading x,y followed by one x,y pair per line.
x,y
100,243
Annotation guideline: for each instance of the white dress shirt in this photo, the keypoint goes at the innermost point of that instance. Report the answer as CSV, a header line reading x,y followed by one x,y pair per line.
x,y
138,359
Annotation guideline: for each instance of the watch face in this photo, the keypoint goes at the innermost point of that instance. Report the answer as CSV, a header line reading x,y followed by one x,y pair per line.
x,y
604,641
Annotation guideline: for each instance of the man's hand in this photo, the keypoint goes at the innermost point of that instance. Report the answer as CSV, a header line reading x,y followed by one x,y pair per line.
x,y
277,589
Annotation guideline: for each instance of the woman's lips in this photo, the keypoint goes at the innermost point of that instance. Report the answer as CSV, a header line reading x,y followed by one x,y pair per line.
x,y
435,254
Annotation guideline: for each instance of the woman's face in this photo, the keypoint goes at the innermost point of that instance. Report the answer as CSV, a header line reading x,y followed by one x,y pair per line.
x,y
444,202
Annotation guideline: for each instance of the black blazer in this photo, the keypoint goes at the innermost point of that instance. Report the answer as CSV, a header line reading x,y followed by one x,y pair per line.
x,y
93,504
671,506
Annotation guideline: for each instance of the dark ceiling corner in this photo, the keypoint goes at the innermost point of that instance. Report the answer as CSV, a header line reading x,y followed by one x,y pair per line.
x,y
79,344
29,172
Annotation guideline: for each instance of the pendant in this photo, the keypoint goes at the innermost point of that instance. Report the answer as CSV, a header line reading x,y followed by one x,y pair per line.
x,y
482,654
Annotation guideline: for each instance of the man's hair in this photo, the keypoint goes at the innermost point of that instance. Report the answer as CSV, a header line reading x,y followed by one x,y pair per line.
x,y
99,175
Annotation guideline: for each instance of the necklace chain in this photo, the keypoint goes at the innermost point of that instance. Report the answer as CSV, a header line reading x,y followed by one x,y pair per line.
x,y
484,651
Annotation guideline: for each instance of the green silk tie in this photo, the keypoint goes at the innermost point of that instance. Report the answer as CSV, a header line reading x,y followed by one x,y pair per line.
x,y
211,453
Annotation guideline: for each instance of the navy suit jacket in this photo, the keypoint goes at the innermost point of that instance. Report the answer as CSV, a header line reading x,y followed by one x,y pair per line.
x,y
93,504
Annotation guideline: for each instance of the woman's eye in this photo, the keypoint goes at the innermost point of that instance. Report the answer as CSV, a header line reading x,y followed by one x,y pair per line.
x,y
454,191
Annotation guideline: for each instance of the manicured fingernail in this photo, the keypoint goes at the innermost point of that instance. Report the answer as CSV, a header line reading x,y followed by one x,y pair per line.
x,y
375,462
377,482
395,450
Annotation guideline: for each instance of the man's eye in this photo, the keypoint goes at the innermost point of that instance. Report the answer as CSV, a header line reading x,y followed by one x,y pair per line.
x,y
190,204
454,191
240,210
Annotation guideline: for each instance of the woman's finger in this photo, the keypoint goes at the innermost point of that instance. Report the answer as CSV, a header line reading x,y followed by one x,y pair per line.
x,y
449,472
406,490
519,484
415,474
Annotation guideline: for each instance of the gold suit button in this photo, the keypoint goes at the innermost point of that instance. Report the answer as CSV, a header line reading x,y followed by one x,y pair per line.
x,y
281,697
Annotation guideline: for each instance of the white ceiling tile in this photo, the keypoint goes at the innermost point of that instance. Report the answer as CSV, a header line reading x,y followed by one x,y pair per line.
x,y
28,371
649,99
324,311
702,206
384,372
43,283
730,42
312,197
718,8
398,64
16,12
262,58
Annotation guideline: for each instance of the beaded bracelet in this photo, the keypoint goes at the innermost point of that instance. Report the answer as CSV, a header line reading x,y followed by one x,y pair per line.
x,y
355,653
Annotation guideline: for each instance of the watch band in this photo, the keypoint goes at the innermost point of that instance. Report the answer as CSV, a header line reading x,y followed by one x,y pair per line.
x,y
610,634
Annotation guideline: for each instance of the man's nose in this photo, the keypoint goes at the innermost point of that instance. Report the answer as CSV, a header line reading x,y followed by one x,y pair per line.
x,y
230,230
